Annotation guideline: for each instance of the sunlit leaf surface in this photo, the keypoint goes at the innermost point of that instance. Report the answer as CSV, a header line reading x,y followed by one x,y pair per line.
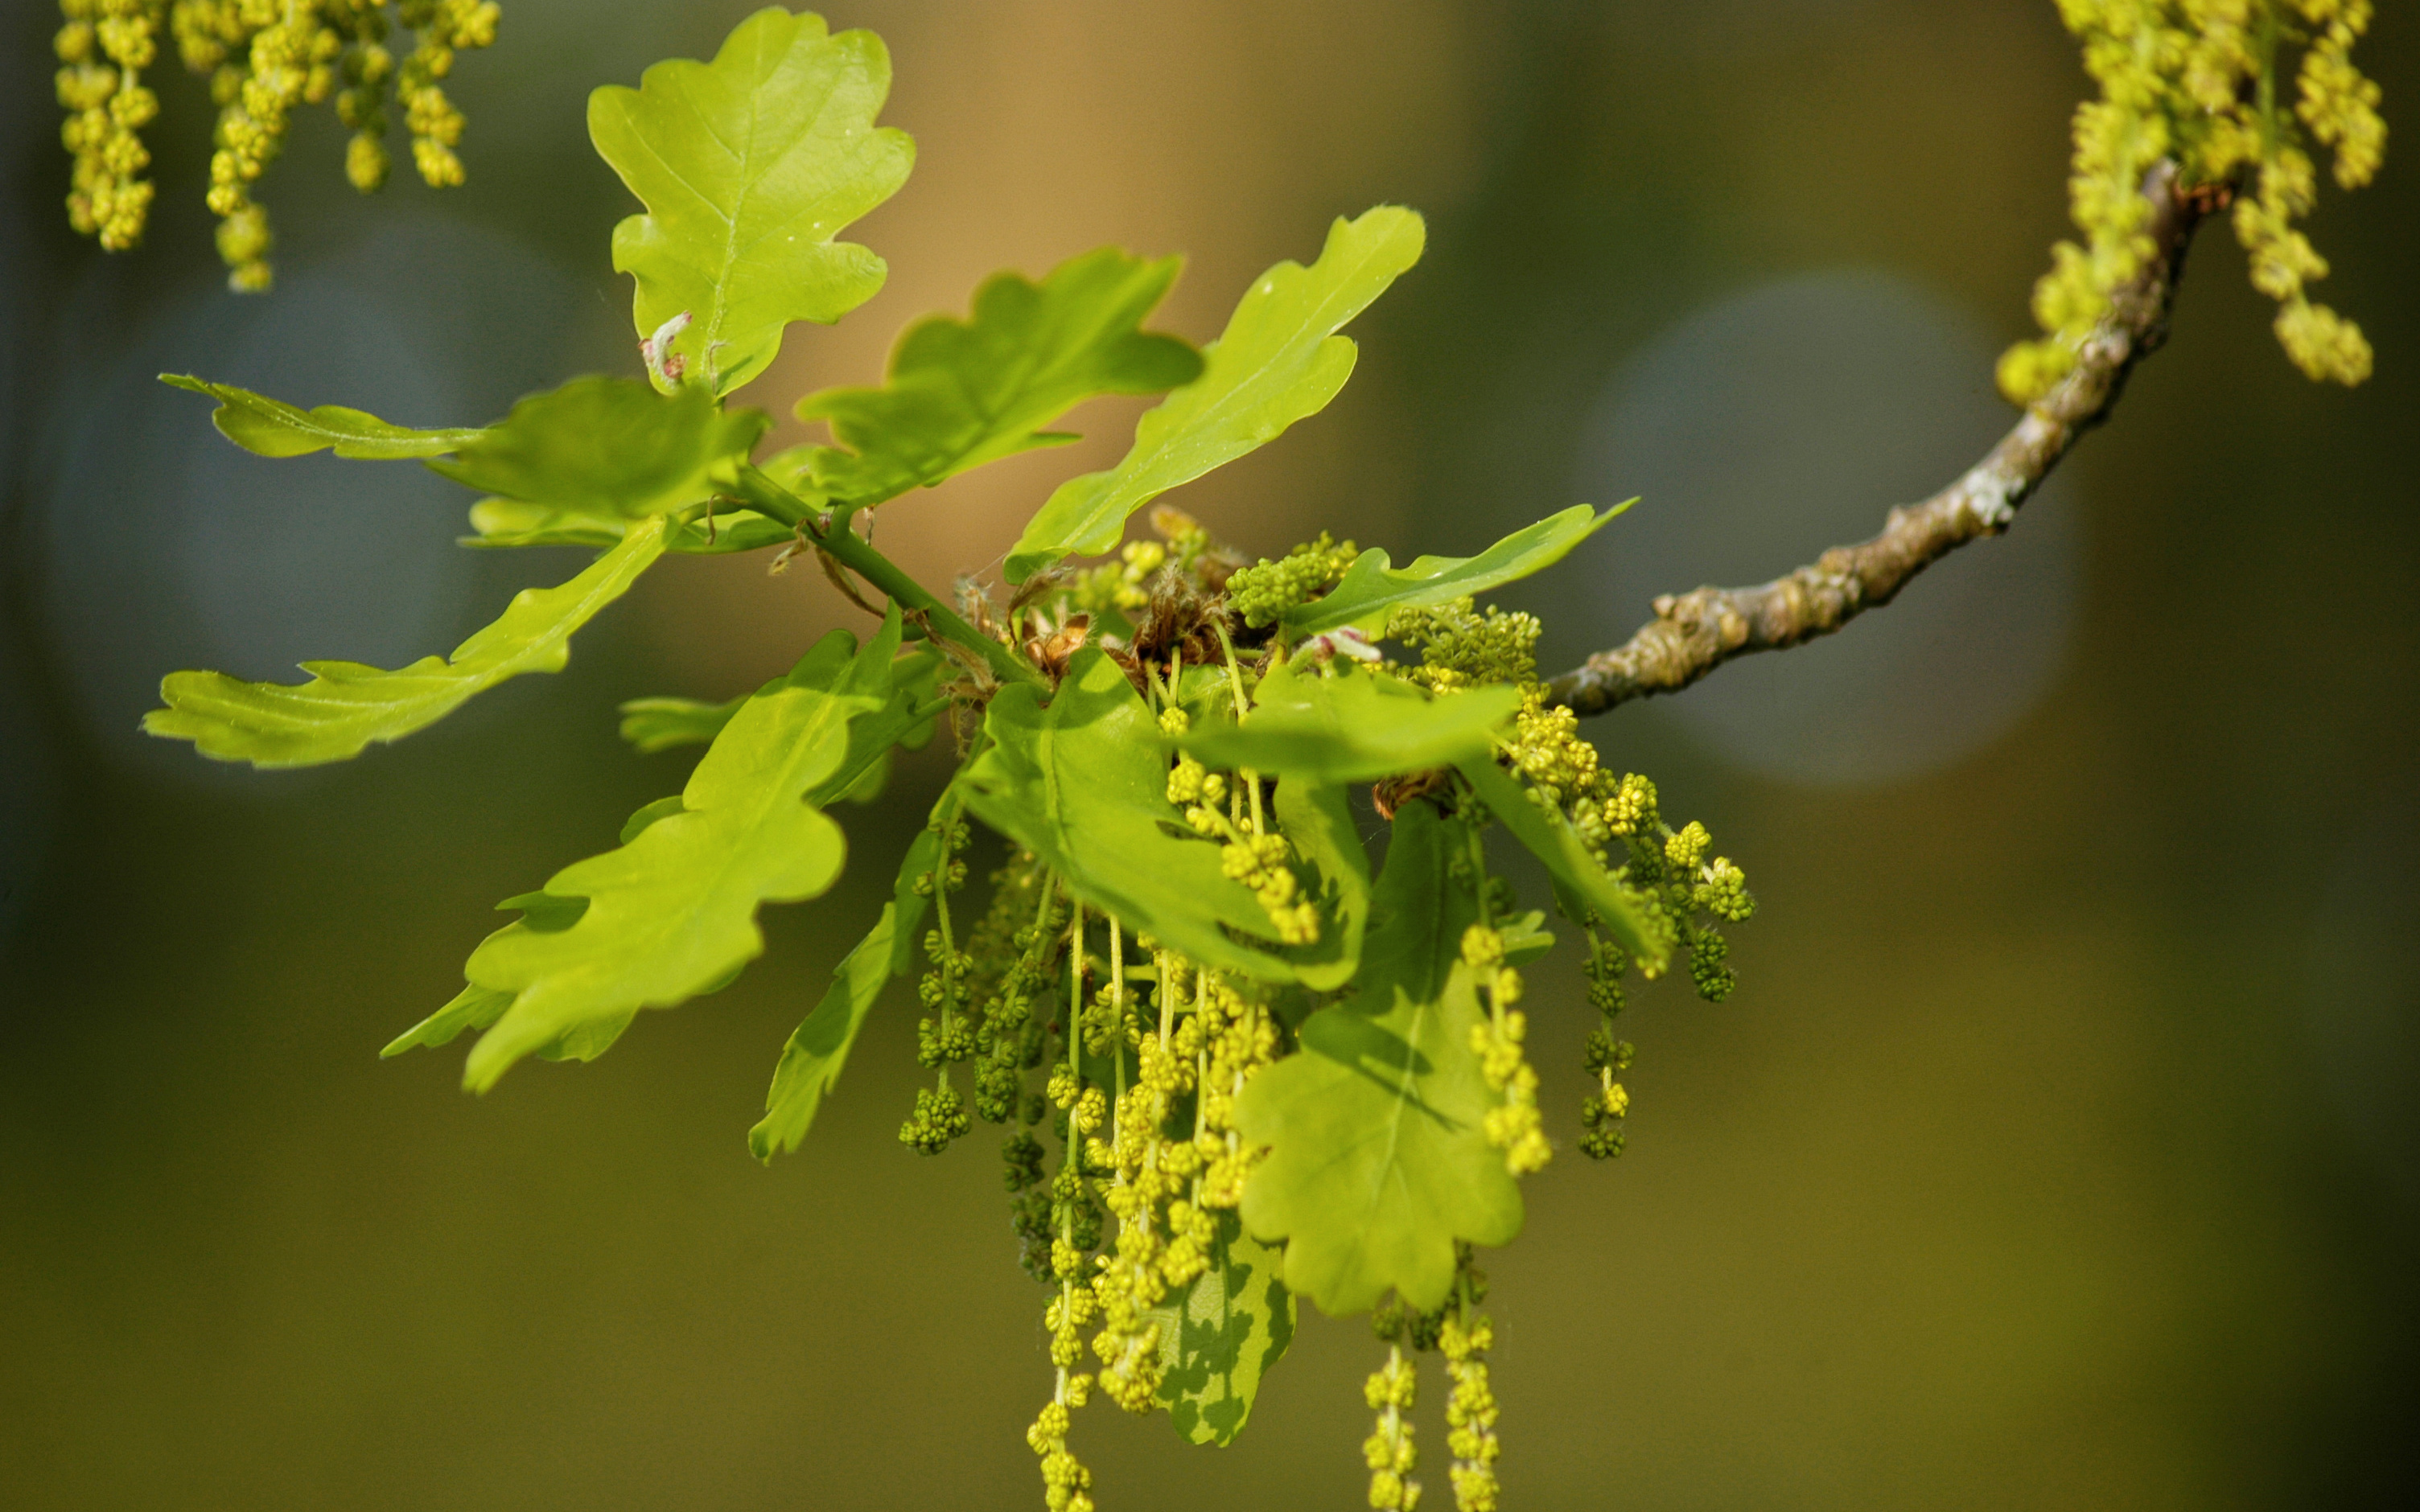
x,y
1279,361
1372,589
1352,727
749,166
673,913
346,705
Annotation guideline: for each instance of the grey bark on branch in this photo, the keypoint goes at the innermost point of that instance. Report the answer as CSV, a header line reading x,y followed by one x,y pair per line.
x,y
1694,633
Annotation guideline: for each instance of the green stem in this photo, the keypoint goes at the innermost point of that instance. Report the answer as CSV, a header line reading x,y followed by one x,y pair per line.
x,y
1251,779
774,501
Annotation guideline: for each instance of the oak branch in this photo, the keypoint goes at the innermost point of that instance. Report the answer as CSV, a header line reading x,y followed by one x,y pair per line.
x,y
1694,633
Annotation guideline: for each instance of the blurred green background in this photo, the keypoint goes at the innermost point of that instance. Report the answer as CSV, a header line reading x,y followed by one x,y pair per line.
x,y
2061,1148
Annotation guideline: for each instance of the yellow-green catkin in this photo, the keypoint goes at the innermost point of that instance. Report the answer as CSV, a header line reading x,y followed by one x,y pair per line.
x,y
1253,852
2207,84
1607,1057
1123,585
1267,590
1684,896
263,58
104,47
1161,1241
1066,1484
1471,1411
1390,1450
947,1037
1512,1124
440,29
368,69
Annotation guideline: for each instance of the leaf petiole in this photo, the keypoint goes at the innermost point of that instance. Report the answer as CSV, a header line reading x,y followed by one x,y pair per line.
x,y
833,536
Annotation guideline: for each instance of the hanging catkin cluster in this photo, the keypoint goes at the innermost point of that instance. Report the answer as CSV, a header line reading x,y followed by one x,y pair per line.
x,y
263,58
2213,85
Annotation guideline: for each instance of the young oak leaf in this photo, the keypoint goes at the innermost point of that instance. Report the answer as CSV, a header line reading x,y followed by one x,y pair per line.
x,y
1219,1338
1280,361
347,705
476,1008
907,718
673,913
271,427
1583,884
1372,589
962,392
514,522
818,1048
654,724
1380,1159
749,166
1352,727
1081,782
609,449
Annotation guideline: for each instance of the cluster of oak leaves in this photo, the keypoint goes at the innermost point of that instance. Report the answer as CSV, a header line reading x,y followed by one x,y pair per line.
x,y
1265,1066
1195,1111
1236,1062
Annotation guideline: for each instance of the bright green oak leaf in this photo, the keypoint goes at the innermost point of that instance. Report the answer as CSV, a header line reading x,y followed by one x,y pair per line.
x,y
1379,1158
651,725
1221,1337
1081,782
654,724
1318,820
749,166
962,392
512,522
1549,837
347,705
1352,726
609,447
472,1008
818,1048
1372,590
1280,361
475,1007
272,427
673,913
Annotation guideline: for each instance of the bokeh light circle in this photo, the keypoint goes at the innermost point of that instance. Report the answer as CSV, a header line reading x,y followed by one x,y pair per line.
x,y
1786,419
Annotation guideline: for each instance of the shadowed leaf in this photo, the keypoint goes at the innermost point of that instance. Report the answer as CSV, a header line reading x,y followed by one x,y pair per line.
x,y
1081,782
1318,820
1219,1339
609,448
512,522
818,1048
1380,1160
272,427
962,392
651,725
